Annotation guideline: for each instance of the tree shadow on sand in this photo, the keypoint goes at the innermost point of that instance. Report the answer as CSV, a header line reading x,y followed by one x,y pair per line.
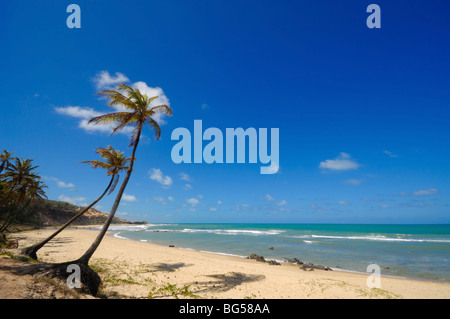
x,y
225,282
168,267
89,279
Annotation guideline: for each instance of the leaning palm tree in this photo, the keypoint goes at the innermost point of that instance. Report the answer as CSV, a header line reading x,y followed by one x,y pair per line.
x,y
138,113
114,163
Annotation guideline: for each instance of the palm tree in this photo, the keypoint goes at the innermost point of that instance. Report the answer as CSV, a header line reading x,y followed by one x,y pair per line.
x,y
33,192
21,185
138,113
18,177
114,163
5,157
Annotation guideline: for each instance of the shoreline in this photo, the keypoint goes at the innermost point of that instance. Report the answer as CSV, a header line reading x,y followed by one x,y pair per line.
x,y
115,234
134,269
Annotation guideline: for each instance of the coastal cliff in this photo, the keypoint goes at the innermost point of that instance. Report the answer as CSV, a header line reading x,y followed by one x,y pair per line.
x,y
55,213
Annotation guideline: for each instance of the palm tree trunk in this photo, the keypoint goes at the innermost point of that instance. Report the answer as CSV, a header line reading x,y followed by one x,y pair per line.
x,y
10,217
6,195
32,250
88,254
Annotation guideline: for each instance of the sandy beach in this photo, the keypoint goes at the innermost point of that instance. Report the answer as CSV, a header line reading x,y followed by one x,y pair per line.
x,y
131,269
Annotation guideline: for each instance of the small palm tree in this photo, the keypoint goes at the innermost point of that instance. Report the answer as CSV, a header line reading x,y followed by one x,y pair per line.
x,y
33,192
5,158
20,186
138,114
114,163
18,177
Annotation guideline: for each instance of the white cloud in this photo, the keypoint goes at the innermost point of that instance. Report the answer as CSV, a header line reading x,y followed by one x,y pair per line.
x,y
170,198
282,203
390,154
78,111
78,201
129,198
59,183
103,80
185,177
268,197
353,181
155,174
219,202
187,187
341,163
213,209
193,201
341,202
64,185
426,192
85,114
160,199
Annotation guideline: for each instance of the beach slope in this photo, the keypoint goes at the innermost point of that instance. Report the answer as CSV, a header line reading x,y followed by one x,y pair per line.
x,y
131,269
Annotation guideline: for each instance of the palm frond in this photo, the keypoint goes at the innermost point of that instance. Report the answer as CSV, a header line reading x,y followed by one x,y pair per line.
x,y
155,127
109,118
114,184
139,103
130,119
117,98
150,100
97,164
130,91
160,108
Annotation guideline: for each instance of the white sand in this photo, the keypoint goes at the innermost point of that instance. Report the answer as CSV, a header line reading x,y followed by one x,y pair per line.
x,y
133,269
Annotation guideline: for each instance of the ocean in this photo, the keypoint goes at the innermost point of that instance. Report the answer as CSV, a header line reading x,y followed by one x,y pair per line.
x,y
408,251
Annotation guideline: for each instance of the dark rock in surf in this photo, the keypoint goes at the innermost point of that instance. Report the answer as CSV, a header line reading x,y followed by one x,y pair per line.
x,y
311,266
256,257
293,261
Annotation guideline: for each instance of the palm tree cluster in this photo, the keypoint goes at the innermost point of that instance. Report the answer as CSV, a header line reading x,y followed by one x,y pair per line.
x,y
138,113
20,186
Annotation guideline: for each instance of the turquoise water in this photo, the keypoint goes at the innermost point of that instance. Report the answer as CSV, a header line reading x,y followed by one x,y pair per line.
x,y
411,251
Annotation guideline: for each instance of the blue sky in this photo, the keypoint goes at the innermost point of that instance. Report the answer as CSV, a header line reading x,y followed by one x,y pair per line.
x,y
363,114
